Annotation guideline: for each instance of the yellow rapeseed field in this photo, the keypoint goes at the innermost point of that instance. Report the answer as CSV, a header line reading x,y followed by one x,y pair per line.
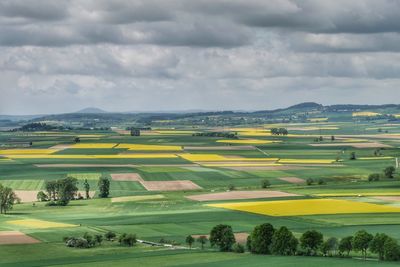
x,y
375,158
307,207
149,147
317,119
358,194
120,156
39,224
365,114
94,145
247,141
219,158
240,164
26,151
306,161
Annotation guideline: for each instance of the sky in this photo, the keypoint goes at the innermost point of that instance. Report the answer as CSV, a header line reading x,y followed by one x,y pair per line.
x,y
162,55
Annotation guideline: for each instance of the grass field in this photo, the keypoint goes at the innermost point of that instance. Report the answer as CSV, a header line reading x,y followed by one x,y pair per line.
x,y
339,201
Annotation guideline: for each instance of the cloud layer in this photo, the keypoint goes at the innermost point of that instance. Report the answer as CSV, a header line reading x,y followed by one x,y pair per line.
x,y
60,56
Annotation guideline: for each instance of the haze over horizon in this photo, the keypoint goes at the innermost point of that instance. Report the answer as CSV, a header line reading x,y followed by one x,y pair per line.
x,y
154,55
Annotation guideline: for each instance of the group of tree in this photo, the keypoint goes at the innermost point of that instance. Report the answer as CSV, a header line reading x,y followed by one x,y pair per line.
x,y
7,199
265,239
217,134
38,126
389,173
89,241
59,192
320,181
279,131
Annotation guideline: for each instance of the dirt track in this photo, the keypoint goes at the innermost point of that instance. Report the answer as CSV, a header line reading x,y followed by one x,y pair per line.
x,y
180,185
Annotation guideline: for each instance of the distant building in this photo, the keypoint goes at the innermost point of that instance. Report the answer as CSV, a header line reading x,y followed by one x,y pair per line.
x,y
135,132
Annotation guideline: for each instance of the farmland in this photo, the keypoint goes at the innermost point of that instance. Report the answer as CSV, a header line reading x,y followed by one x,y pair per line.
x,y
169,183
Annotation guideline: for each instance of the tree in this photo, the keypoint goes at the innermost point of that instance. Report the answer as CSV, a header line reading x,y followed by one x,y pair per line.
x,y
353,156
389,172
7,199
265,183
99,239
332,138
222,236
391,250
52,189
377,244
41,196
309,181
284,242
87,188
67,190
202,240
261,238
104,187
127,239
330,245
311,241
346,244
361,241
190,241
77,140
110,235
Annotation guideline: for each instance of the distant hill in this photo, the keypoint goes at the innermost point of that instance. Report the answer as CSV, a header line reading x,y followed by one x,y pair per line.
x,y
91,110
297,113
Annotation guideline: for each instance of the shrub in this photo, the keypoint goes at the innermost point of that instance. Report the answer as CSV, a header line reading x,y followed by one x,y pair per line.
x,y
127,239
41,196
321,181
238,248
231,187
309,181
374,177
265,183
389,172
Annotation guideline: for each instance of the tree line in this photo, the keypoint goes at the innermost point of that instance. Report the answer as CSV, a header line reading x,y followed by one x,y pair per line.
x,y
61,191
265,239
217,134
89,241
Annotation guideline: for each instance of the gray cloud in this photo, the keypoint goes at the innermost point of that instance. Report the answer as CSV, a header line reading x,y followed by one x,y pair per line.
x,y
58,56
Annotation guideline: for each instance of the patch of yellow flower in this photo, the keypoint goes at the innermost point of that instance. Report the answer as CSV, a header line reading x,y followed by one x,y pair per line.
x,y
317,119
240,164
26,151
307,207
359,194
149,147
94,145
306,161
120,156
365,114
220,158
39,224
375,158
247,141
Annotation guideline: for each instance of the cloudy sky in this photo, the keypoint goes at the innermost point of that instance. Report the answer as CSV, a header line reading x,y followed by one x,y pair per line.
x,y
151,55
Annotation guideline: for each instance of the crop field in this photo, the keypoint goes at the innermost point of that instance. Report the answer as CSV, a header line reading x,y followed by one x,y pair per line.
x,y
307,207
170,182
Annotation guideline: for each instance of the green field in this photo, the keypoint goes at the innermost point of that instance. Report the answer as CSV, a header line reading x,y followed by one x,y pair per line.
x,y
173,217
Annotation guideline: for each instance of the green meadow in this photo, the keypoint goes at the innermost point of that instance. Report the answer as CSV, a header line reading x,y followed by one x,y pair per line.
x,y
174,216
